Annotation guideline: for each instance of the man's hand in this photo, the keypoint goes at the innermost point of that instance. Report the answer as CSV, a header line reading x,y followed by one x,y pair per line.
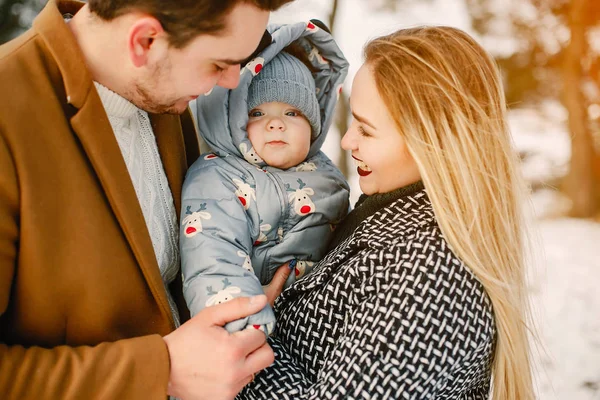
x,y
273,289
209,363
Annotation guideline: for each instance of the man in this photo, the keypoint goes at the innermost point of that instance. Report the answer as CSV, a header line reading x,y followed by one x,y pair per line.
x,y
92,158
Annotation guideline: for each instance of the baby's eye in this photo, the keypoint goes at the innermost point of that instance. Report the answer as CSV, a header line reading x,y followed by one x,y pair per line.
x,y
292,113
255,113
218,68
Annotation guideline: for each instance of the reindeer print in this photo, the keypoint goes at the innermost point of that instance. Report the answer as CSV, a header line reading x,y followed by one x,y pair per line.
x,y
247,265
254,66
306,167
314,54
250,154
192,222
245,192
302,267
262,237
222,296
300,198
267,328
311,27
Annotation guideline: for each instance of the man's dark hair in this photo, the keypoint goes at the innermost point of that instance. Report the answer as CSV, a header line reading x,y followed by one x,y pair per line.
x,y
182,20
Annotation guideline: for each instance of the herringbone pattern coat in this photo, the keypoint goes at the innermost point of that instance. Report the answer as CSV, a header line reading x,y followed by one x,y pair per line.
x,y
391,313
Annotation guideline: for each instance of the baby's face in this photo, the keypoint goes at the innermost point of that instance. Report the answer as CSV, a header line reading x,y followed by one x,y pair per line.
x,y
279,133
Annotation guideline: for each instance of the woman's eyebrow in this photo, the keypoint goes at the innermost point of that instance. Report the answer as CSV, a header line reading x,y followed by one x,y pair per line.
x,y
363,120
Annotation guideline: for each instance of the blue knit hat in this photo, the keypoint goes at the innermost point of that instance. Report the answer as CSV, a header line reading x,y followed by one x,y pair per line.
x,y
287,80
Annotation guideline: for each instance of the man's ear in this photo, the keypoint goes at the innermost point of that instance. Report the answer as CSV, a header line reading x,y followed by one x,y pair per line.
x,y
142,36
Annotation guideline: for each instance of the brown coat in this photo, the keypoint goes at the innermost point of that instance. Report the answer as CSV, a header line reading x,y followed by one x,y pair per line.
x,y
82,303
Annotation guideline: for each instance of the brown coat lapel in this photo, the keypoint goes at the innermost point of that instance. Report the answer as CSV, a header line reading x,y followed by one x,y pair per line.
x,y
82,304
93,129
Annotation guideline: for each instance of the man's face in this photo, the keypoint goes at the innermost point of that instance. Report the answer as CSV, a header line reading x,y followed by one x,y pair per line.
x,y
169,83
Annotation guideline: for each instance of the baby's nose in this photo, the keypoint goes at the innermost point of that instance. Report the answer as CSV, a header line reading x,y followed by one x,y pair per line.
x,y
276,124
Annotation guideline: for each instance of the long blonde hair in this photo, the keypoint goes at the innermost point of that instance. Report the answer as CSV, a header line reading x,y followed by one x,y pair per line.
x,y
445,95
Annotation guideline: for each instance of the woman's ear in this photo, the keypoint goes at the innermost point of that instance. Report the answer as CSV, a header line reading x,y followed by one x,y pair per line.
x,y
142,39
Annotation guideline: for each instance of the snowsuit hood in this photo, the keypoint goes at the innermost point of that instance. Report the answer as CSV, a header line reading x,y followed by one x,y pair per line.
x,y
226,110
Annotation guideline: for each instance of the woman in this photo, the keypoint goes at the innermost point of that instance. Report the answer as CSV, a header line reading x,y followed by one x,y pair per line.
x,y
423,295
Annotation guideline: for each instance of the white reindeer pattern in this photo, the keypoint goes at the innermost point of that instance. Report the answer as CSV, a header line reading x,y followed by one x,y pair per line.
x,y
300,198
301,267
314,54
267,329
247,265
222,296
311,27
250,154
306,167
245,192
262,237
192,222
254,66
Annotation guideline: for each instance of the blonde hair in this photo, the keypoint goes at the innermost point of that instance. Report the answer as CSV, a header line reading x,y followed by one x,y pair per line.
x,y
445,95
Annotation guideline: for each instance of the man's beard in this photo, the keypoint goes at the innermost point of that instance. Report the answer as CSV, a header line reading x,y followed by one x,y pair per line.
x,y
144,100
144,93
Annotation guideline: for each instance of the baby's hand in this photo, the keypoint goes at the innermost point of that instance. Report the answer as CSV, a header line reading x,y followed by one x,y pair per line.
x,y
273,289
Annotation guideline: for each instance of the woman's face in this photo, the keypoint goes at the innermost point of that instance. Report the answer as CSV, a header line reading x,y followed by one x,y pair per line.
x,y
382,159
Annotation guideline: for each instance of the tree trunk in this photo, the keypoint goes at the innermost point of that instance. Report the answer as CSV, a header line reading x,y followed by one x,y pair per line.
x,y
579,183
332,15
342,109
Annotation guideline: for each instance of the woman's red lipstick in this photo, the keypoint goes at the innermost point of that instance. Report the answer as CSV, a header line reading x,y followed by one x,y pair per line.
x,y
359,170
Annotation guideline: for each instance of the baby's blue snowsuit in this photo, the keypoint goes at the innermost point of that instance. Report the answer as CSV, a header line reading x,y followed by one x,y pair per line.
x,y
242,219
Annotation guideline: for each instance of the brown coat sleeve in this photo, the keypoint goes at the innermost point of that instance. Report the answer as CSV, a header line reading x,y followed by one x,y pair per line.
x,y
135,368
9,206
127,369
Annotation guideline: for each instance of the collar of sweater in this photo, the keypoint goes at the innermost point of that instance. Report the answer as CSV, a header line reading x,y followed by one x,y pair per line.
x,y
367,206
114,104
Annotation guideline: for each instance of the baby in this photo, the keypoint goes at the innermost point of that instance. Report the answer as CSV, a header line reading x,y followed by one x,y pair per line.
x,y
267,195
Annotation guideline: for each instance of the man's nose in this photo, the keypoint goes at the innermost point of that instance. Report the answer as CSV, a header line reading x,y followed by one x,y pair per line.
x,y
230,78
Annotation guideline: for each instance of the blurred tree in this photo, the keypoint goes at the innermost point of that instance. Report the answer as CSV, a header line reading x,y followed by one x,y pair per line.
x,y
580,184
9,21
16,16
552,58
343,107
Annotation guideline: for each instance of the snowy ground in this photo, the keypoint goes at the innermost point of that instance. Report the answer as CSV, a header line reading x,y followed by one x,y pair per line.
x,y
565,283
565,272
567,296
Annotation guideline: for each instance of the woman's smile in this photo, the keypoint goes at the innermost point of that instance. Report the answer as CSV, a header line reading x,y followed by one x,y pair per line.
x,y
362,168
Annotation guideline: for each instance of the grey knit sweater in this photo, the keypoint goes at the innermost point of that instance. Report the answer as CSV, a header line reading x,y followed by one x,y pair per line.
x,y
136,140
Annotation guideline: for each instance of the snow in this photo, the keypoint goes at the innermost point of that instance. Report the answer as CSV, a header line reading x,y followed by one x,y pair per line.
x,y
565,272
542,141
567,296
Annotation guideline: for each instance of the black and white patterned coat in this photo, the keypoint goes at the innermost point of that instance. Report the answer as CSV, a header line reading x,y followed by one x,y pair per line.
x,y
390,313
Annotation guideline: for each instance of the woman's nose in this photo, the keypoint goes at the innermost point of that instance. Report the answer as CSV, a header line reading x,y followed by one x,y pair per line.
x,y
348,141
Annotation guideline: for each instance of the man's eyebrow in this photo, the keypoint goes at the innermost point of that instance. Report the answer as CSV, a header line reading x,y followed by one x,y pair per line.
x,y
229,61
363,120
